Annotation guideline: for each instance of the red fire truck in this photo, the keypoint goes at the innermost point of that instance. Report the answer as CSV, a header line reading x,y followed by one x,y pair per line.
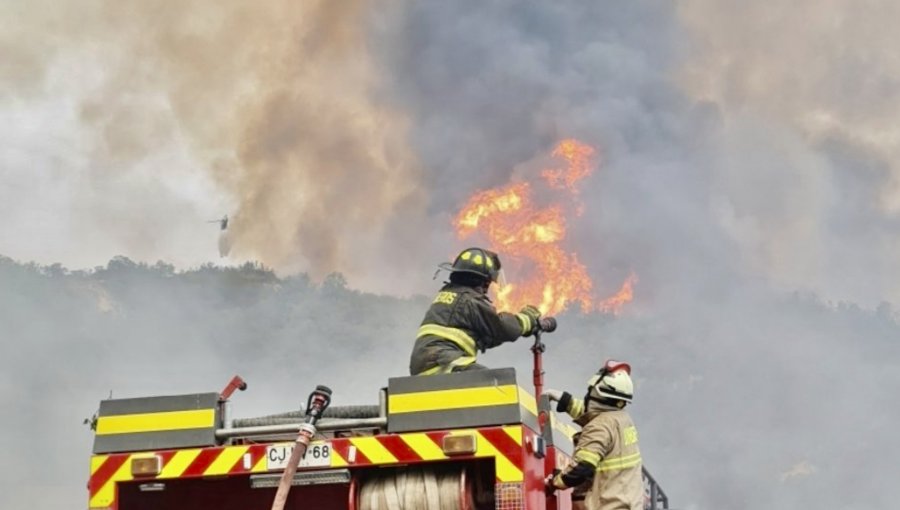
x,y
468,441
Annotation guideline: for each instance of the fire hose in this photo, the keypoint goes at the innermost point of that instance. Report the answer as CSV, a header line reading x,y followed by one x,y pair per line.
x,y
316,404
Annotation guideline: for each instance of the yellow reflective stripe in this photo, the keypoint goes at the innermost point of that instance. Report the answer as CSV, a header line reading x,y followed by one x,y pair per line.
x,y
373,450
462,361
424,446
337,460
437,369
525,322
226,460
588,456
576,407
154,422
559,483
455,335
526,400
453,399
622,458
97,461
107,493
261,466
505,469
179,463
515,432
617,463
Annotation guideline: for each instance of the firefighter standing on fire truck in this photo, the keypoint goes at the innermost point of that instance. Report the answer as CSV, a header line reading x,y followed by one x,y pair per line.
x,y
607,447
461,320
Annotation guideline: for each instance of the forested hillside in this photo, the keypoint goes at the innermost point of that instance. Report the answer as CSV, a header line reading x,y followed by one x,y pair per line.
x,y
716,388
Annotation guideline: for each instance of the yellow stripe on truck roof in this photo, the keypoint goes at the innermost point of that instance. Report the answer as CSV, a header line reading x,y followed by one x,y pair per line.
x,y
440,400
155,422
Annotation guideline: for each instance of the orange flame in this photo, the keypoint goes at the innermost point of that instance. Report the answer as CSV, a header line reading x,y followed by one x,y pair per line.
x,y
580,165
530,237
614,303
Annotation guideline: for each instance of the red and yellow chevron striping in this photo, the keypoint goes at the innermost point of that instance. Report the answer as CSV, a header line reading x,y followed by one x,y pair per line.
x,y
504,444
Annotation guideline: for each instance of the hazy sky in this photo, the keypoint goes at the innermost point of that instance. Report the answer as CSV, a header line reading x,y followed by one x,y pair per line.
x,y
325,130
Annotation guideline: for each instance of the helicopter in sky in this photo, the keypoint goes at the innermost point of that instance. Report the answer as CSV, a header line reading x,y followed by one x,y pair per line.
x,y
224,241
223,222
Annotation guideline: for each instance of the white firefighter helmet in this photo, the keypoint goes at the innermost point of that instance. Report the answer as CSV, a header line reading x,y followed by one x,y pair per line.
x,y
613,381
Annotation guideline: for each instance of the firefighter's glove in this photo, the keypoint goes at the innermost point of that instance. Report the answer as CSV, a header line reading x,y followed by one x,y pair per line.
x,y
548,485
554,483
528,318
553,395
565,402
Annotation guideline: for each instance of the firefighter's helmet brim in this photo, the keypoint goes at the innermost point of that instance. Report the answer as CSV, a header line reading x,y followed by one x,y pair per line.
x,y
448,266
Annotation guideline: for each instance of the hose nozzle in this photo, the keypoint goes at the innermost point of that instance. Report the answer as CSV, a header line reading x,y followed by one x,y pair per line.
x,y
318,401
547,324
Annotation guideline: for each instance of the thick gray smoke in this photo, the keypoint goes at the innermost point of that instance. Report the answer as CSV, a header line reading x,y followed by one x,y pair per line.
x,y
748,178
267,109
808,96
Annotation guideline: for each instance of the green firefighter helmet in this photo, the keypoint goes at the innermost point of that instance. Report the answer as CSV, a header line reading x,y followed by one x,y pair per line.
x,y
484,263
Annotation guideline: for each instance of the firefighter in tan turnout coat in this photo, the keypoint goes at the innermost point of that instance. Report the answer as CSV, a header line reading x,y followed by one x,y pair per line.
x,y
607,447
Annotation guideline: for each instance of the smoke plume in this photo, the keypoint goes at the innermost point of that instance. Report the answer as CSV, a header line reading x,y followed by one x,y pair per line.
x,y
274,105
809,92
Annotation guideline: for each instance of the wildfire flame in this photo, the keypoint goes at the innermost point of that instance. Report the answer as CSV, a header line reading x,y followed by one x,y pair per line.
x,y
614,303
580,165
529,237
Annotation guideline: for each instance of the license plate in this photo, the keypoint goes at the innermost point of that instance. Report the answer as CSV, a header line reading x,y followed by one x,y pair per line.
x,y
318,454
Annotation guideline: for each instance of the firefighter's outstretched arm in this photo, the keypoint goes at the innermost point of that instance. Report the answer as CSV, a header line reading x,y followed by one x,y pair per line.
x,y
566,403
500,327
